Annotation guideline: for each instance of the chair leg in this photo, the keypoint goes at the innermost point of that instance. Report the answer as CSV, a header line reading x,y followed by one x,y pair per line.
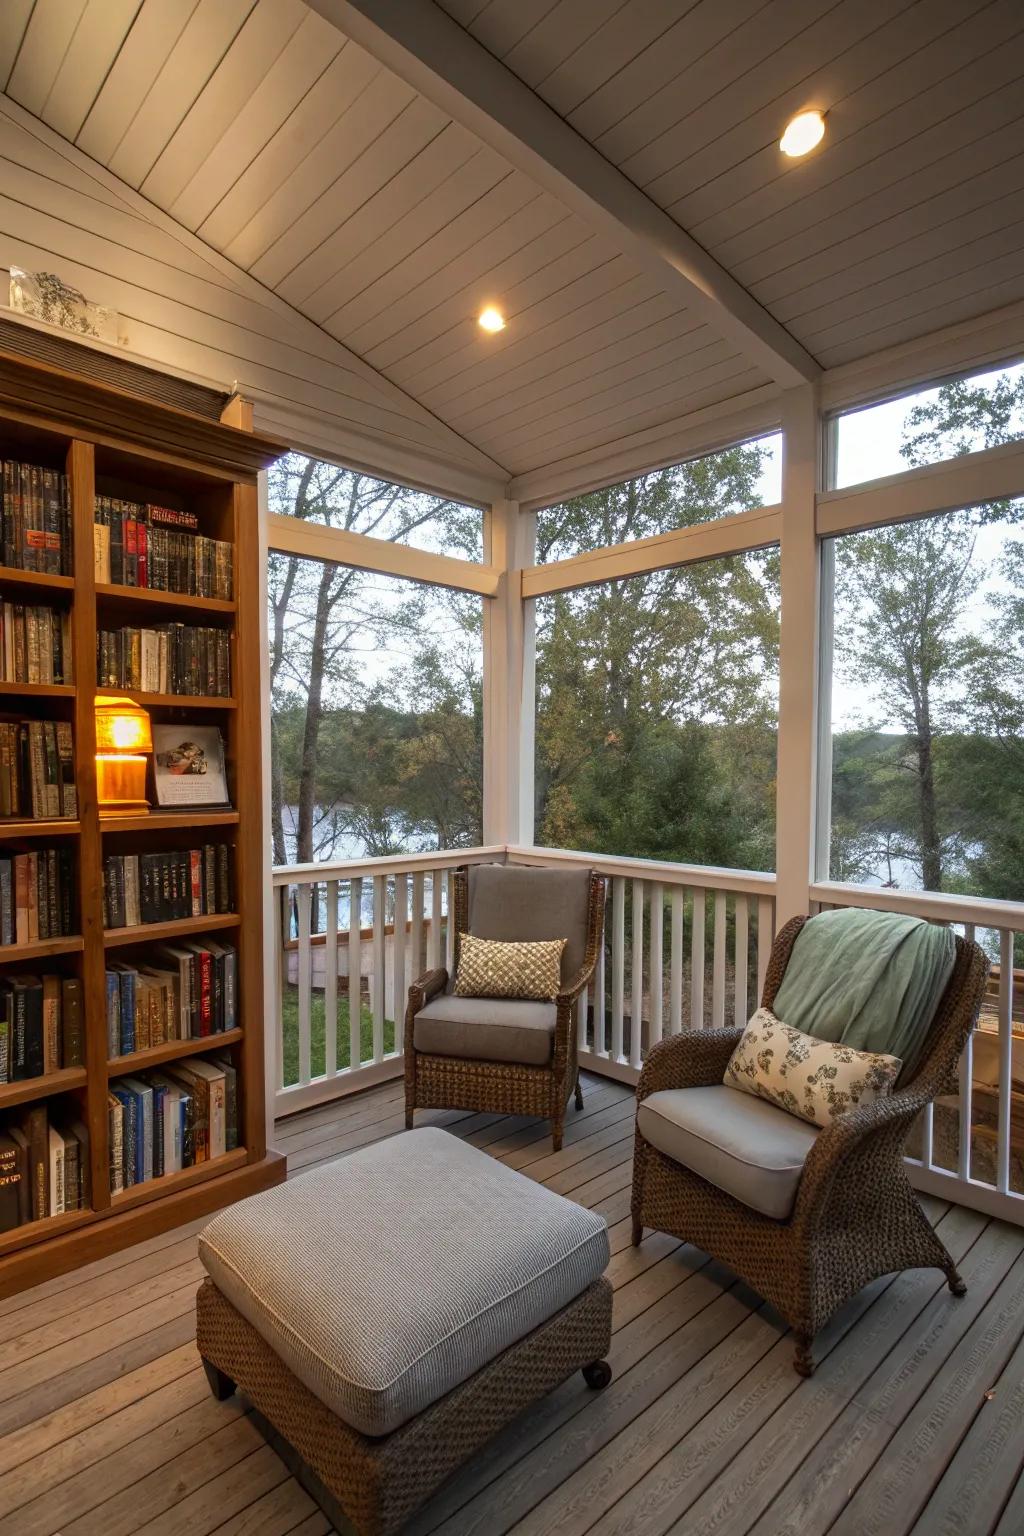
x,y
955,1280
803,1358
637,1232
408,1119
579,1092
221,1385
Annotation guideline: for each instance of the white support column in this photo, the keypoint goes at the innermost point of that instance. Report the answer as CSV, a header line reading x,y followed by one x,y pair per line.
x,y
271,907
508,626
798,654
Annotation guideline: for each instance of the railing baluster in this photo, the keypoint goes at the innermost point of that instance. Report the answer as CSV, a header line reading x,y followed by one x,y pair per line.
x,y
304,895
742,960
449,932
1005,1059
355,972
675,973
657,959
434,931
416,962
966,1105
618,962
765,935
331,981
379,918
697,960
600,1044
281,974
398,955
636,1024
718,971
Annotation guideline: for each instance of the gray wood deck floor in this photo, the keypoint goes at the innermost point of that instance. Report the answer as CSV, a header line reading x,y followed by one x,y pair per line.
x,y
913,1423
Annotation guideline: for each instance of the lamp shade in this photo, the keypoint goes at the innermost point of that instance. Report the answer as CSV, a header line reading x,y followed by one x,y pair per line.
x,y
121,726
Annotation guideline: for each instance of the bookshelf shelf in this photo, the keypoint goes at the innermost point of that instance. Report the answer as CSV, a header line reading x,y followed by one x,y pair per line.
x,y
28,1088
55,827
42,949
112,444
34,583
155,598
171,1050
181,928
169,1183
178,700
37,690
163,820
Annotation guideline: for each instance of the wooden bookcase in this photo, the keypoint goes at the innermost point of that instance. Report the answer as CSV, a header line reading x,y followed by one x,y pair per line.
x,y
113,443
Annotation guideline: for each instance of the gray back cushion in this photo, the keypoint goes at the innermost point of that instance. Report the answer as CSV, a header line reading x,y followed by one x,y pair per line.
x,y
507,901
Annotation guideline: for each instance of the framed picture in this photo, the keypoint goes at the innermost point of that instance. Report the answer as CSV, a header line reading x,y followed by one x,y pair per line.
x,y
188,766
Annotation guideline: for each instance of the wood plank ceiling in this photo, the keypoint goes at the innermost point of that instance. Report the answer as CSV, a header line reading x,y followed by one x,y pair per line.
x,y
286,147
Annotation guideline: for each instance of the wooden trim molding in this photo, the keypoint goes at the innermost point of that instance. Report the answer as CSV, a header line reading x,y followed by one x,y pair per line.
x,y
990,475
36,392
315,541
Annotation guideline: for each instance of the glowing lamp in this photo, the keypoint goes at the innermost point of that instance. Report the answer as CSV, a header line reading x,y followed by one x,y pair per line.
x,y
802,133
123,737
491,319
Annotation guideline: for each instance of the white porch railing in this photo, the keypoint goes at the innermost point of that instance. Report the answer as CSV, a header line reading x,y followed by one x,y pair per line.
x,y
683,945
969,1146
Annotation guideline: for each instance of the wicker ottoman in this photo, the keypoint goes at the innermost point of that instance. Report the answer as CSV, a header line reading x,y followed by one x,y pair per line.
x,y
388,1314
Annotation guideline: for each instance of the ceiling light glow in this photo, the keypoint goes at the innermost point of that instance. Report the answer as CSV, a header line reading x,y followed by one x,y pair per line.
x,y
802,133
491,319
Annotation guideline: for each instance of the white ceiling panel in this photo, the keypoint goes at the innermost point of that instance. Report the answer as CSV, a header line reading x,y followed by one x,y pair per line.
x,y
376,212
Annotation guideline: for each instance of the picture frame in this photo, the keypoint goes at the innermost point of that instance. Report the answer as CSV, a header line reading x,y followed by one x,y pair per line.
x,y
189,768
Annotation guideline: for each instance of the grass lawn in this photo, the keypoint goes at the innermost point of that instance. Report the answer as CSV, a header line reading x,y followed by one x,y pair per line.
x,y
318,1059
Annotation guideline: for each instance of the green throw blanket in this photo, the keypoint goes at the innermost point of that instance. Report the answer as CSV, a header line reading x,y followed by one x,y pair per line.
x,y
871,980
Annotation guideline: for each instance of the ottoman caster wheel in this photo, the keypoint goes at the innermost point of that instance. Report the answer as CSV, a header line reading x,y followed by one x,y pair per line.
x,y
221,1386
597,1374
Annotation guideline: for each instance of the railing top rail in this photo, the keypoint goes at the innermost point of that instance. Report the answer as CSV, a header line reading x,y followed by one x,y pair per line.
x,y
982,912
747,882
400,864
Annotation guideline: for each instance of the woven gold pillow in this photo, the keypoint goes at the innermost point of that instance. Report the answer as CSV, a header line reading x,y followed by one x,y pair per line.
x,y
816,1080
490,968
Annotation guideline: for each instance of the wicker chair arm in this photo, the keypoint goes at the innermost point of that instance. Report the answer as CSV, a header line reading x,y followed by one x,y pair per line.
x,y
849,1134
427,986
696,1058
570,993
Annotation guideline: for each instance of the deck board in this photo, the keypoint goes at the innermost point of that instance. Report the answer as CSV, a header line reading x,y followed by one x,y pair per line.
x,y
911,1425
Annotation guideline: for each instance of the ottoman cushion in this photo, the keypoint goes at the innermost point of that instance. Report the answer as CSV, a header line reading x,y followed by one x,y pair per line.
x,y
389,1277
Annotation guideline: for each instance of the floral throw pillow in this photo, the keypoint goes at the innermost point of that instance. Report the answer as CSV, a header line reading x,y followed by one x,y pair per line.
x,y
491,968
816,1080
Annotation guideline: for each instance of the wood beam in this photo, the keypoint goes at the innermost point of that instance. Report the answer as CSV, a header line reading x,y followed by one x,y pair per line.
x,y
423,46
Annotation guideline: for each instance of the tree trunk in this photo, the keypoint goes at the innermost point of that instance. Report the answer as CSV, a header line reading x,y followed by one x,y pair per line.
x,y
931,844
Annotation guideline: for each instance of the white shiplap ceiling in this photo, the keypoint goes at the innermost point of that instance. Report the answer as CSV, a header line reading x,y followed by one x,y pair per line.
x,y
285,146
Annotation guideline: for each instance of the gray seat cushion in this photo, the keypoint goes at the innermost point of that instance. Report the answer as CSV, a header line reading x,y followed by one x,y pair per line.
x,y
746,1146
487,1029
387,1278
509,901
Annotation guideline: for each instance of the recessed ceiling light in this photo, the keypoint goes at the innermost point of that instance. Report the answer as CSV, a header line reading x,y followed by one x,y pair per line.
x,y
491,319
802,133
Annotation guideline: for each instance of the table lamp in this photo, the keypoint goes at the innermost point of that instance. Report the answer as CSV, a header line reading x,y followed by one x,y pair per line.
x,y
123,737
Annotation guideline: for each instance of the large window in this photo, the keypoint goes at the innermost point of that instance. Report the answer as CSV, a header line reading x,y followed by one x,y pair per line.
x,y
733,480
375,698
929,427
927,692
324,493
928,704
657,703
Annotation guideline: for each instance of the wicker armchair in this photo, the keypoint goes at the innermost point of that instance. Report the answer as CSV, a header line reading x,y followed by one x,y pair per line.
x,y
511,1057
855,1216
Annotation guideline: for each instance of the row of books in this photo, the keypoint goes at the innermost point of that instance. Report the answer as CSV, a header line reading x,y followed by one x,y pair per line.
x,y
37,898
35,518
44,1165
37,770
162,887
182,991
41,1026
171,658
142,545
161,1122
35,644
